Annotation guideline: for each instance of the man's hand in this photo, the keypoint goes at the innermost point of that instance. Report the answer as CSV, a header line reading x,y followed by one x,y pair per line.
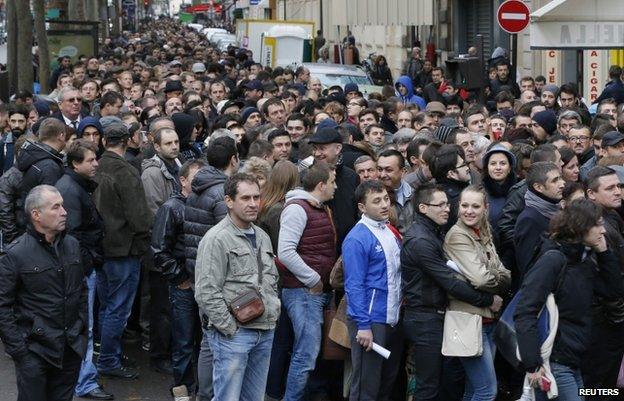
x,y
365,339
318,288
600,245
185,285
536,377
496,304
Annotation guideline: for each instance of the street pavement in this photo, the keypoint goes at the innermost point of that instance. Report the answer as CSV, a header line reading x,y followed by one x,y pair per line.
x,y
151,386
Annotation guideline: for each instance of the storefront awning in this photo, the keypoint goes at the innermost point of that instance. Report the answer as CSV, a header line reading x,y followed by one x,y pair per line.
x,y
578,24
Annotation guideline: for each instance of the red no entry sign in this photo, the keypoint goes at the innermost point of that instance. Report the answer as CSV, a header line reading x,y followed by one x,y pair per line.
x,y
513,16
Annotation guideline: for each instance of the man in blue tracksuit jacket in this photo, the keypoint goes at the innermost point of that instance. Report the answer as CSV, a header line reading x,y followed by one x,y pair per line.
x,y
371,256
405,91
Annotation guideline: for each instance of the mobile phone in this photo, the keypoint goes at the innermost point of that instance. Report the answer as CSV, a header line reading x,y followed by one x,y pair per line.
x,y
545,384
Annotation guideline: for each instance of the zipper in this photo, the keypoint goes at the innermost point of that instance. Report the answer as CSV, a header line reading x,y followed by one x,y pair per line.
x,y
370,307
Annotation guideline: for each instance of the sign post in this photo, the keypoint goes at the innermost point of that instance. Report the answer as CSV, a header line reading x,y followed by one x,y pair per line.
x,y
513,17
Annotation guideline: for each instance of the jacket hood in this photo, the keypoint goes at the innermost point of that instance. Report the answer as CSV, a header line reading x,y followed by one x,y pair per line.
x,y
151,162
299,193
407,82
206,178
89,122
184,125
33,152
499,52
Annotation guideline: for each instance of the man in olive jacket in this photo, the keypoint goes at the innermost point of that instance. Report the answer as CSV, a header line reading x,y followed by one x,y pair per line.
x,y
234,257
120,199
43,302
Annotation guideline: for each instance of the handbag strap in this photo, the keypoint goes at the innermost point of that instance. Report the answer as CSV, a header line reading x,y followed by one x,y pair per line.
x,y
259,263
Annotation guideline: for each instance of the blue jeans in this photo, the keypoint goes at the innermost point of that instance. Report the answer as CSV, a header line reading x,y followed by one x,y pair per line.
x,y
183,319
241,364
204,369
568,383
117,284
87,380
480,374
306,313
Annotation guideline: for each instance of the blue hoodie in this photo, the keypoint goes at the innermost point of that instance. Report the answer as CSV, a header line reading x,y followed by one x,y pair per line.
x,y
410,98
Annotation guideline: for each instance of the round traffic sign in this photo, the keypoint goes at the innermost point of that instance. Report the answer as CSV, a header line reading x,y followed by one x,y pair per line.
x,y
513,16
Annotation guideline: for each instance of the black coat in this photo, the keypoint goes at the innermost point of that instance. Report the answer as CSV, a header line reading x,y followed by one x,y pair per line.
x,y
83,219
427,280
344,206
41,164
205,207
585,275
120,199
530,227
514,205
604,309
43,298
168,240
12,221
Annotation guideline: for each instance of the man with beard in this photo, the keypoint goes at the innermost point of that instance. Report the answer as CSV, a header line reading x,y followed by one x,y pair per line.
x,y
18,121
503,80
549,96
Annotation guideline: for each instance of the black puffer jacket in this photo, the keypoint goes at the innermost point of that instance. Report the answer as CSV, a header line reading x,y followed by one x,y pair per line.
x,y
83,219
514,205
205,207
12,221
41,164
168,240
43,298
585,274
427,280
612,310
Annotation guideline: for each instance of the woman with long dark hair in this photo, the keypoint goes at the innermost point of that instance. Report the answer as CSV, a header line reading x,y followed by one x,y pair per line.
x,y
498,178
575,266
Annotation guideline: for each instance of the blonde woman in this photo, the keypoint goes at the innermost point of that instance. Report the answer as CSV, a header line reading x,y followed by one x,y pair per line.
x,y
470,245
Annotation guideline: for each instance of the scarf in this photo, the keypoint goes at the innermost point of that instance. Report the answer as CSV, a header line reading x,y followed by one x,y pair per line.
x,y
545,206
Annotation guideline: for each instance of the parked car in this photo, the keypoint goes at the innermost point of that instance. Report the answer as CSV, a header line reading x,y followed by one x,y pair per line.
x,y
341,74
211,31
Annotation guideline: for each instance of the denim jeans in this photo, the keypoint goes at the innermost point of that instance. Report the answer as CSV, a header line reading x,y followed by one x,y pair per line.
x,y
87,379
240,364
480,374
117,284
204,369
568,383
306,314
280,356
425,330
184,316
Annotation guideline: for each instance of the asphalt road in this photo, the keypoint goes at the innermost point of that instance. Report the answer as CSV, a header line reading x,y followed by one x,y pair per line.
x,y
151,386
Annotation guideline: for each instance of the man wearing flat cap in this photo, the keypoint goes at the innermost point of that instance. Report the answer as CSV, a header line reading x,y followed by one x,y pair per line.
x,y
120,199
327,145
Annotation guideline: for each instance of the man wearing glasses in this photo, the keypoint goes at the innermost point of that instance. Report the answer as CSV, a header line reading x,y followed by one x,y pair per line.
x,y
70,105
427,284
579,138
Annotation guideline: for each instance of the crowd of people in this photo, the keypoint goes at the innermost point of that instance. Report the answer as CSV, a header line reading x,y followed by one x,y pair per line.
x,y
263,235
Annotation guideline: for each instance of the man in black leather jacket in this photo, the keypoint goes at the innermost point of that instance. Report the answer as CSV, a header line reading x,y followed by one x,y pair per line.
x,y
427,283
43,302
169,259
85,224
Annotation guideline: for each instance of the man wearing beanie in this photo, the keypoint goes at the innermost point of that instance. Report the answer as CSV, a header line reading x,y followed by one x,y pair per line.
x,y
546,121
549,96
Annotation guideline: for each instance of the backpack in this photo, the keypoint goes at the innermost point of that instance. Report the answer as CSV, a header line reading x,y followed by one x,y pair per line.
x,y
505,336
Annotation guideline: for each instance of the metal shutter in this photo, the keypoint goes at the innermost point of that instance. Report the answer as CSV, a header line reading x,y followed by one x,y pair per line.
x,y
479,20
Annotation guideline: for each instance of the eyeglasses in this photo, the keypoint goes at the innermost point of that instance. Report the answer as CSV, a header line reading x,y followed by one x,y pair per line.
x,y
462,166
578,138
441,205
353,104
74,99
